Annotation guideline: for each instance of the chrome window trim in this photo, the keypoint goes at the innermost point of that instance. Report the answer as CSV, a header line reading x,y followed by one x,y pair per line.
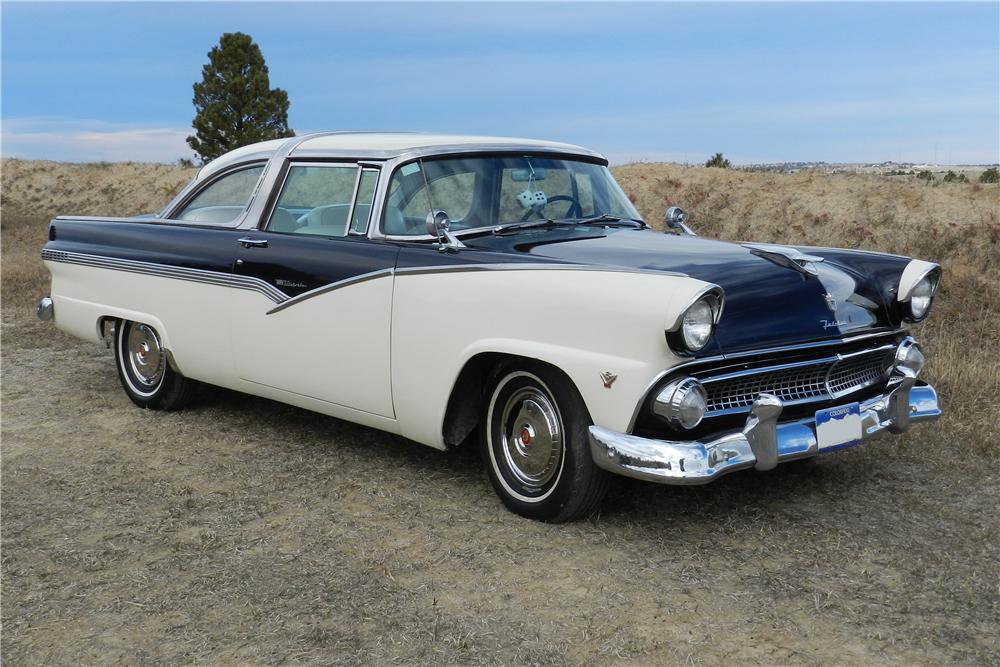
x,y
391,164
195,188
363,167
285,171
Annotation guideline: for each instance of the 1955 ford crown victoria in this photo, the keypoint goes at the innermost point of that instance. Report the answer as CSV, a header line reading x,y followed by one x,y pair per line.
x,y
444,287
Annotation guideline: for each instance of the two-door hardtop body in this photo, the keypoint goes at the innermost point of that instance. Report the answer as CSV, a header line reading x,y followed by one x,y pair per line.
x,y
443,287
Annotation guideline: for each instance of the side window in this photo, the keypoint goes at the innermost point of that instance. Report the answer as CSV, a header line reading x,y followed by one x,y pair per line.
x,y
225,199
363,202
315,200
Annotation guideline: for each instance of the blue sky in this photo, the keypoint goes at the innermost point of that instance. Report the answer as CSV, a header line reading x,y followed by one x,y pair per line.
x,y
760,82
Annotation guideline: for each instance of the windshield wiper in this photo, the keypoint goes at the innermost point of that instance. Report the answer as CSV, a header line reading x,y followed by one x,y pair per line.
x,y
606,219
533,224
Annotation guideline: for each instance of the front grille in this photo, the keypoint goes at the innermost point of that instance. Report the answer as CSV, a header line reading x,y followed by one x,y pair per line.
x,y
804,381
852,374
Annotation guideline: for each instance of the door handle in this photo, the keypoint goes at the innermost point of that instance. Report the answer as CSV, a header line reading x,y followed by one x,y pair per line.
x,y
248,242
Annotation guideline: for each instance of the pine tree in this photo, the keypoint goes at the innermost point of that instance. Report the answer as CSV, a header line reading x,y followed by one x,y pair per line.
x,y
718,160
234,103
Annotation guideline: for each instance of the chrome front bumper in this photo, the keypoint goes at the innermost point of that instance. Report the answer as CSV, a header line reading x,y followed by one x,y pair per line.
x,y
762,444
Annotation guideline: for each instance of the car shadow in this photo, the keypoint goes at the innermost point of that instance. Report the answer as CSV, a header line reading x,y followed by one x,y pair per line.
x,y
820,480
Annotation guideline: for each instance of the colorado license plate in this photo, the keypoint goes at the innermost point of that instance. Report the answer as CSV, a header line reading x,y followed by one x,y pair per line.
x,y
839,426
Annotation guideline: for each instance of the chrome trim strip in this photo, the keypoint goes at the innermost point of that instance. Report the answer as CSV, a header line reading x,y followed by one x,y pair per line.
x,y
770,369
281,298
347,282
167,271
528,266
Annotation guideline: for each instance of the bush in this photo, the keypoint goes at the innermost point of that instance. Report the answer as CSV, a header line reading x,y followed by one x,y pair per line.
x,y
925,176
989,176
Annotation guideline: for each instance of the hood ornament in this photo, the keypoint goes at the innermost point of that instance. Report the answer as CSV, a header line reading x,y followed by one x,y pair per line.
x,y
831,302
785,256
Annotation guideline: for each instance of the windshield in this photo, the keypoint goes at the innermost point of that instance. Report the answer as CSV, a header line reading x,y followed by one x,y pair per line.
x,y
489,191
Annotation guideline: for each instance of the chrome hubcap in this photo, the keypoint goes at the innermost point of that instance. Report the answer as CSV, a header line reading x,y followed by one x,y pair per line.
x,y
145,355
532,437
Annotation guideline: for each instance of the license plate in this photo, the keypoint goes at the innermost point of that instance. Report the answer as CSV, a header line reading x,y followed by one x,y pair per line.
x,y
838,427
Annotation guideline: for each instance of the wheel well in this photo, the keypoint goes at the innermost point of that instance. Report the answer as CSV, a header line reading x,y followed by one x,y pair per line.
x,y
465,404
105,327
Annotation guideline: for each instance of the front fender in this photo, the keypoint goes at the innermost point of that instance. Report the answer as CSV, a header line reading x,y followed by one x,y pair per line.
x,y
585,322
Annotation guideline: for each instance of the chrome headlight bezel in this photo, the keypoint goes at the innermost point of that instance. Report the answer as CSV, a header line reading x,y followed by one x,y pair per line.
x,y
703,312
918,285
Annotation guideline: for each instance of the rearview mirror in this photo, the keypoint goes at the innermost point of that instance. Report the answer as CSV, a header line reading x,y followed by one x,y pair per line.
x,y
525,175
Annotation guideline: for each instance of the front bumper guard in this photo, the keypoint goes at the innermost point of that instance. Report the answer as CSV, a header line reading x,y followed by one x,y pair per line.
x,y
762,444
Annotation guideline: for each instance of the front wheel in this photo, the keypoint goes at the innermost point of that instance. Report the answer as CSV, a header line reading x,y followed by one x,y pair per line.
x,y
145,372
534,439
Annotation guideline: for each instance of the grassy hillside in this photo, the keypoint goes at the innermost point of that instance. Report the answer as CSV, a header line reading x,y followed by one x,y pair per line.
x,y
955,224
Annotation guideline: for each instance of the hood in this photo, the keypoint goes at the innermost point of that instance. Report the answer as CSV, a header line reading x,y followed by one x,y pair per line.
x,y
767,303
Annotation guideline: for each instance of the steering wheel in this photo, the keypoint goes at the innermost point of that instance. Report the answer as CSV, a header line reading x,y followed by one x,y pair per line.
x,y
575,210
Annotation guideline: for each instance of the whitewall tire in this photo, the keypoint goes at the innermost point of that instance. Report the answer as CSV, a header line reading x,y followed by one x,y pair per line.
x,y
534,441
144,370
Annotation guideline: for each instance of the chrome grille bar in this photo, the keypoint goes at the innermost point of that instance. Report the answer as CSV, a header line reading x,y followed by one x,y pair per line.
x,y
804,381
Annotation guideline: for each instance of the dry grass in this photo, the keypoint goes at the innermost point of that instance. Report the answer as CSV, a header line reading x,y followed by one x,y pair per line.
x,y
245,531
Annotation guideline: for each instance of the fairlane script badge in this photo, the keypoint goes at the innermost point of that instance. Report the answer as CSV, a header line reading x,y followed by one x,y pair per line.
x,y
838,427
609,379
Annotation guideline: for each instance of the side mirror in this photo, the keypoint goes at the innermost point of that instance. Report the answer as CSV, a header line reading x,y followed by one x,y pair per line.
x,y
676,218
437,226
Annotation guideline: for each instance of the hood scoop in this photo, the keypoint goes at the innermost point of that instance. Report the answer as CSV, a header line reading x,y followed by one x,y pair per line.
x,y
784,256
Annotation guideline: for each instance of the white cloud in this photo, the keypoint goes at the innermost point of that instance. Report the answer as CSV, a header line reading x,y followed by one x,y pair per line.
x,y
92,141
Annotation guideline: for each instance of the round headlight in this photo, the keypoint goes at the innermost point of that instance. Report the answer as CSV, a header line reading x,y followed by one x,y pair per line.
x,y
699,320
682,403
921,297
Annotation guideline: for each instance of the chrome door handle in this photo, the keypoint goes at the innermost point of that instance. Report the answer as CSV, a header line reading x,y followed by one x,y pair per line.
x,y
248,242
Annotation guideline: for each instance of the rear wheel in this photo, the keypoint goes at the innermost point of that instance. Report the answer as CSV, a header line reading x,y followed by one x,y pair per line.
x,y
145,372
535,444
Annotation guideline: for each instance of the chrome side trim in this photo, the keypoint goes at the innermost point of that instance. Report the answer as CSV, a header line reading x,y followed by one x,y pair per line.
x,y
167,271
347,282
527,266
762,443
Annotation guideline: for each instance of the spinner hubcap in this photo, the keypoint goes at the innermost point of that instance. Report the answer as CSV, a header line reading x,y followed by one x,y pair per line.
x,y
145,355
532,437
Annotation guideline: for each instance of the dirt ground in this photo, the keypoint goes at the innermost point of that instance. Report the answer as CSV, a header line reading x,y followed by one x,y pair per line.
x,y
243,531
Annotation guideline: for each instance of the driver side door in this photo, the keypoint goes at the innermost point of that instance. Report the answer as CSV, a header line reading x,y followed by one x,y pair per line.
x,y
327,337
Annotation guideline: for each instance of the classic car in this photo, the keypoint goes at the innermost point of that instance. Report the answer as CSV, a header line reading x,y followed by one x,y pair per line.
x,y
498,292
